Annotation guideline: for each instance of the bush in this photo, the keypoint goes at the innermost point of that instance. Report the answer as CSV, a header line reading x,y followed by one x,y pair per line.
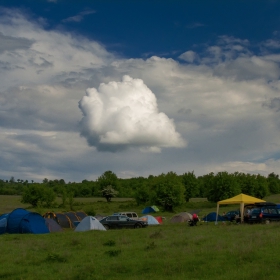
x,y
90,211
37,194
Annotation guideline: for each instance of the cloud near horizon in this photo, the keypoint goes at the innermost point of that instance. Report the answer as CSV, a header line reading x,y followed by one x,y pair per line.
x,y
125,114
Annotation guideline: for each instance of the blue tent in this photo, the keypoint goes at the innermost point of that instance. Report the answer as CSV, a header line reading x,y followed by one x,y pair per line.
x,y
150,209
3,223
150,220
211,217
23,221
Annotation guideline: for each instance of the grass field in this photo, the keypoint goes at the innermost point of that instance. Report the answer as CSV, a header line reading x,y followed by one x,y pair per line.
x,y
167,251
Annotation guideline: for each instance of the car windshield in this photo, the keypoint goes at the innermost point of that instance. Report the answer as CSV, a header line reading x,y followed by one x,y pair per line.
x,y
255,211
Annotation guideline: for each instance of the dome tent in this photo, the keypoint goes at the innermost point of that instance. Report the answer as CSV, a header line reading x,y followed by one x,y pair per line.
x,y
150,209
150,220
23,221
52,225
66,220
181,217
3,223
187,216
99,217
89,223
80,215
62,219
211,217
159,219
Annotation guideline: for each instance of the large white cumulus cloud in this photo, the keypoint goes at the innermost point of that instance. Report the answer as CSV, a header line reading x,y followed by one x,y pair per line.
x,y
125,114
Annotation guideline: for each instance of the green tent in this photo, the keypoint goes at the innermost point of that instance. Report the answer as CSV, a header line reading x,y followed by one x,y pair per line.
x,y
150,209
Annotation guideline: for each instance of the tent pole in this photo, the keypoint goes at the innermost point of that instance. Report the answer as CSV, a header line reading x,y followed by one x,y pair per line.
x,y
242,212
217,213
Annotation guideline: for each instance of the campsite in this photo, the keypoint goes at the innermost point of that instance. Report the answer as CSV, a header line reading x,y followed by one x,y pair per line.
x,y
166,251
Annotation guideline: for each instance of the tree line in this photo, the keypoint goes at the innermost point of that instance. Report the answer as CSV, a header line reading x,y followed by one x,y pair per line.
x,y
167,190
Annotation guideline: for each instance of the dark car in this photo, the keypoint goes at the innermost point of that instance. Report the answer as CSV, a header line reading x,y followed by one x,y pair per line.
x,y
265,212
232,215
131,215
120,221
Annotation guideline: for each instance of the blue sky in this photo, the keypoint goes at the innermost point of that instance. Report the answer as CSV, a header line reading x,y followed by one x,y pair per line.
x,y
138,88
141,28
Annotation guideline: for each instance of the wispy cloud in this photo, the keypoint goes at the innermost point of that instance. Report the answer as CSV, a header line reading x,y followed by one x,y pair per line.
x,y
273,44
194,25
79,17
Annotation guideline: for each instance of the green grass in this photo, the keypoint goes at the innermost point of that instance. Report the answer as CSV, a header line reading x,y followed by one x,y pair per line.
x,y
168,251
9,202
161,252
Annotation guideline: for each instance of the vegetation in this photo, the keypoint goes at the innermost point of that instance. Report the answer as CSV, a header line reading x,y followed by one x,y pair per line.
x,y
168,251
166,190
37,194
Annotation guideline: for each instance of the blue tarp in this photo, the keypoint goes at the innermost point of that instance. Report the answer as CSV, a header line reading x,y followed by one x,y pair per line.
x,y
23,221
211,217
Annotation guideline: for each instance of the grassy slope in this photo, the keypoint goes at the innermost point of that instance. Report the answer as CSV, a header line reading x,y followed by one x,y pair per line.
x,y
168,251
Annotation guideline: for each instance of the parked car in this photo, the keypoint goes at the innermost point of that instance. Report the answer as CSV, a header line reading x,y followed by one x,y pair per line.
x,y
121,221
231,215
265,212
131,215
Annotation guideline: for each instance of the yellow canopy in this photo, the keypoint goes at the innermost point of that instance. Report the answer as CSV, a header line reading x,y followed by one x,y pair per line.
x,y
239,199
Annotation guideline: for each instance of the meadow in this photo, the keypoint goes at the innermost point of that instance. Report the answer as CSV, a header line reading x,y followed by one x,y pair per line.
x,y
167,251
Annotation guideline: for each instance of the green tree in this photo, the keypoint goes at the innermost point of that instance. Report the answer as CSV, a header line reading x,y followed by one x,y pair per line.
x,y
12,179
223,186
85,191
191,185
71,200
206,183
108,178
45,181
167,191
63,193
273,183
142,195
247,183
262,189
37,194
49,197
